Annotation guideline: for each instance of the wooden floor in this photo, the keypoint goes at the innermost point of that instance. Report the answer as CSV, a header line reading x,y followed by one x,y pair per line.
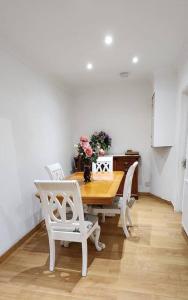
x,y
151,264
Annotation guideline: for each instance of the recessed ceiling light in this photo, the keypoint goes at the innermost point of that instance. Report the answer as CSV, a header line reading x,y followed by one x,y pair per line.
x,y
108,40
135,59
89,66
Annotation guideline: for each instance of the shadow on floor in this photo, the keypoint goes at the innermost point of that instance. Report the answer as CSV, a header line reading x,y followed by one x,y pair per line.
x,y
68,260
111,234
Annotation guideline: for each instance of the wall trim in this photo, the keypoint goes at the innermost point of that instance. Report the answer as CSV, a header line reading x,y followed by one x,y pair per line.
x,y
13,248
154,196
144,194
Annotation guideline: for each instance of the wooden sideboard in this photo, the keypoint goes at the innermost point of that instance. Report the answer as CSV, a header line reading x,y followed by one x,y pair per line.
x,y
120,163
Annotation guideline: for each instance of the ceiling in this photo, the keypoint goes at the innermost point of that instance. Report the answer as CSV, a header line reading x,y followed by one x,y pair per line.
x,y
59,37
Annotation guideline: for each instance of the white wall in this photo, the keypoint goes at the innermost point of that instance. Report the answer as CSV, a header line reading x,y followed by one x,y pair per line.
x,y
163,183
124,111
182,105
34,131
162,159
167,171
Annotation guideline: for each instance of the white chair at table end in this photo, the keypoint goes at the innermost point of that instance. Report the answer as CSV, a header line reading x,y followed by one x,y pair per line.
x,y
121,205
55,171
103,164
72,226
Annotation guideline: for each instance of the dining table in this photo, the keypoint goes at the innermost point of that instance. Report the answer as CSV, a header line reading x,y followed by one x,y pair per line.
x,y
100,191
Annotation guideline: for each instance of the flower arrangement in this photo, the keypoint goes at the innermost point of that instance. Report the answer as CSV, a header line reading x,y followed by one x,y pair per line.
x,y
87,151
102,141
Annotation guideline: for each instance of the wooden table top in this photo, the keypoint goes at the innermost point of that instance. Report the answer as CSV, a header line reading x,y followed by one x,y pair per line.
x,y
101,190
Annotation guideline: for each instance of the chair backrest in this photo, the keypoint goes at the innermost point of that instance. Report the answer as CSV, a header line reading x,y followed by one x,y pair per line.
x,y
69,191
103,164
128,183
55,171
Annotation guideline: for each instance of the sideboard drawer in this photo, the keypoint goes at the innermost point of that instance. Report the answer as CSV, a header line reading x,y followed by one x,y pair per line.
x,y
122,163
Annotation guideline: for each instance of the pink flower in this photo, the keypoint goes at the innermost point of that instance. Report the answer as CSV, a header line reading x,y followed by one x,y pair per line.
x,y
83,138
101,152
88,151
84,145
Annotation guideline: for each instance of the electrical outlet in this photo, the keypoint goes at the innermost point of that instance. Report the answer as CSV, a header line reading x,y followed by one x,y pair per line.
x,y
147,183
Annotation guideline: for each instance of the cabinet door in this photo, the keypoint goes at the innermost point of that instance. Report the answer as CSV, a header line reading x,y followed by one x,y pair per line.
x,y
164,111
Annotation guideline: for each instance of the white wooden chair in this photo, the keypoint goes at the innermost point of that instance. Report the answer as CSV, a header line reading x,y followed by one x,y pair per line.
x,y
65,226
55,171
103,164
121,205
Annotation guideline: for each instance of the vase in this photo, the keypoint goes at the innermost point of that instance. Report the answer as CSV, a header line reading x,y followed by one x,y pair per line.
x,y
87,173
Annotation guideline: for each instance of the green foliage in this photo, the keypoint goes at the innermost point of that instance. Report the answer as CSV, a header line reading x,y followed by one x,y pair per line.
x,y
101,140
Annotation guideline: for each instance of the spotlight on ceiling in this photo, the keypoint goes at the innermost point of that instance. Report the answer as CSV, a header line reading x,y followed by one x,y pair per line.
x,y
89,66
135,59
108,40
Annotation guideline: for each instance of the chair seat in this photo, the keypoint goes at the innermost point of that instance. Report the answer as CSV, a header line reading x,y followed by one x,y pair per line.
x,y
89,221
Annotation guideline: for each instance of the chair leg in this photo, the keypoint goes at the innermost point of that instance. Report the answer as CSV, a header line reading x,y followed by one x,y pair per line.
x,y
94,237
103,218
123,220
52,253
128,217
84,257
98,245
